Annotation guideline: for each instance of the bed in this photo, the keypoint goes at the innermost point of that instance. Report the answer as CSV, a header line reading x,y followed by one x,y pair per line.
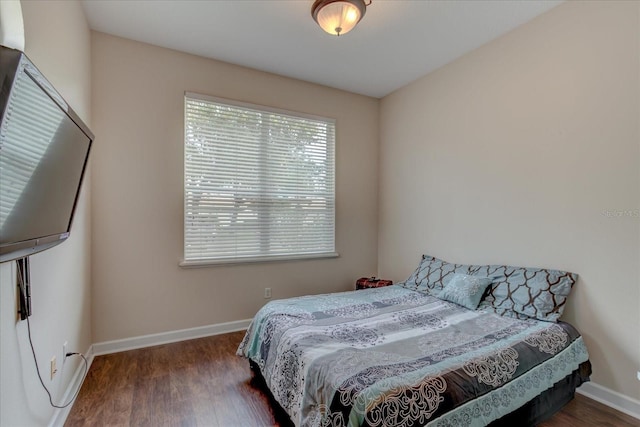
x,y
412,355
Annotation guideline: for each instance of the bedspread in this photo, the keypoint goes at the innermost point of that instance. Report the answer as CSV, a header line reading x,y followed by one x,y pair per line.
x,y
393,356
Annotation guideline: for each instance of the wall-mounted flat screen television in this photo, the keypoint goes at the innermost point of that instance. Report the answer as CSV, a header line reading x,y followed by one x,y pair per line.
x,y
44,148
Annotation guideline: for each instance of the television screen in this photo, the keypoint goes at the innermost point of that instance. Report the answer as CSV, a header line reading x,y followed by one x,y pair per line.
x,y
44,148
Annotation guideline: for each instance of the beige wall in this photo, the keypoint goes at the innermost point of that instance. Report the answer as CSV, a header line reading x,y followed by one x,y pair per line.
x,y
138,192
58,42
516,153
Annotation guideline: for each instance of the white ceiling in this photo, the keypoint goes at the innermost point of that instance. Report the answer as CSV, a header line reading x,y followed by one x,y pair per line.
x,y
396,42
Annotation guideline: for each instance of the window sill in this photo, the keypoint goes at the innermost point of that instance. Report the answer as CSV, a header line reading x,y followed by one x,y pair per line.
x,y
252,260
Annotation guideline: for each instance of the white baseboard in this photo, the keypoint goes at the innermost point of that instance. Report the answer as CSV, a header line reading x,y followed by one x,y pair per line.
x,y
115,346
60,414
611,398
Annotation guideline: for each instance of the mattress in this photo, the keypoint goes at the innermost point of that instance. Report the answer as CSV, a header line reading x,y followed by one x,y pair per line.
x,y
396,357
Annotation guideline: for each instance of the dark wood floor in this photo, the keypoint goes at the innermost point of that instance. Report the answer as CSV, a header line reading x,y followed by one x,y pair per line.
x,y
203,383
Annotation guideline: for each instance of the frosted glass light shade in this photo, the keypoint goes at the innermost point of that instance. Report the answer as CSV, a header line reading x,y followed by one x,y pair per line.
x,y
338,17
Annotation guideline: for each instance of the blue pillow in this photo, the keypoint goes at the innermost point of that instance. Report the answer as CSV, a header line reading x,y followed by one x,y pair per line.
x,y
465,290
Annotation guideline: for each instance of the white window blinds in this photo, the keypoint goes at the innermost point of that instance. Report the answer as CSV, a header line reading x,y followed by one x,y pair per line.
x,y
259,183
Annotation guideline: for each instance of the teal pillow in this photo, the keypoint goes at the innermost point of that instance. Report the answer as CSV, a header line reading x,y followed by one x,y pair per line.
x,y
465,290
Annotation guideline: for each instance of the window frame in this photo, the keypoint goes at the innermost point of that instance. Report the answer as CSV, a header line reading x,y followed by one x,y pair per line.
x,y
204,262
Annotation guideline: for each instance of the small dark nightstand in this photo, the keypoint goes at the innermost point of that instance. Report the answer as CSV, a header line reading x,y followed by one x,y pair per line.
x,y
371,282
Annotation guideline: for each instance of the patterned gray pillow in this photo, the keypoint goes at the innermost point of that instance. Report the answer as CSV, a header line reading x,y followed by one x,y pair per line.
x,y
432,274
533,292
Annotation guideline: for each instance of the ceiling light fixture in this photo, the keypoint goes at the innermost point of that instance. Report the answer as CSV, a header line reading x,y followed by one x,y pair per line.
x,y
338,17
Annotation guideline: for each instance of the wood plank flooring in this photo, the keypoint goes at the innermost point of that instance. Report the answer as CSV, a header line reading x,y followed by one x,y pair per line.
x,y
203,383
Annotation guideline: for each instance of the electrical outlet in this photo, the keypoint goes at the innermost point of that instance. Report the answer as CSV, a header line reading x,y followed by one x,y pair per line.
x,y
267,293
64,351
54,369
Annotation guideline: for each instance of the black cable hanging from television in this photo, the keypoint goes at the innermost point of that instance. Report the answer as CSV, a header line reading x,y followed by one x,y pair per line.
x,y
23,296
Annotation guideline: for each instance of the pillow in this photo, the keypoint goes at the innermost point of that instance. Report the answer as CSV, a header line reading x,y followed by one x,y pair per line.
x,y
519,292
532,292
465,290
432,274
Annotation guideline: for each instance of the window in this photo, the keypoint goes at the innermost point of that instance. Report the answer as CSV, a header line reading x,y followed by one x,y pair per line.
x,y
259,183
